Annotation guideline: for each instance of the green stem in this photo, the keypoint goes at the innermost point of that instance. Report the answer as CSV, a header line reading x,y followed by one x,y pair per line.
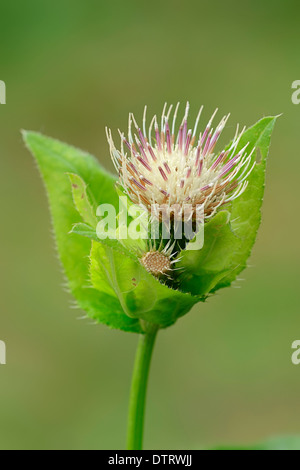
x,y
139,388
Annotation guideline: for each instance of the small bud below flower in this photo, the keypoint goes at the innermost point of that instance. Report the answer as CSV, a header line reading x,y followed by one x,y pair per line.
x,y
173,169
156,262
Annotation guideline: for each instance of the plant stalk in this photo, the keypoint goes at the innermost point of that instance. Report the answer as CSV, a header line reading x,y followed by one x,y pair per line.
x,y
139,388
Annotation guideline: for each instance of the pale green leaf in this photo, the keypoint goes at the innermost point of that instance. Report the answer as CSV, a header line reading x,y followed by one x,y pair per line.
x,y
202,269
228,241
141,295
246,209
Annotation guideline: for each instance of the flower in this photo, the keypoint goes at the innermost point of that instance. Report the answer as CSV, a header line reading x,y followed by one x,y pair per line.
x,y
170,169
134,281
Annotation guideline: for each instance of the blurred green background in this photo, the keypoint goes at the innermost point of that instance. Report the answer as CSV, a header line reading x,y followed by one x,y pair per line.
x,y
222,374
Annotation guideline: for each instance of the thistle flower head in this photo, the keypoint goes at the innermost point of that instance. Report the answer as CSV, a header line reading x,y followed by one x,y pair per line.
x,y
175,167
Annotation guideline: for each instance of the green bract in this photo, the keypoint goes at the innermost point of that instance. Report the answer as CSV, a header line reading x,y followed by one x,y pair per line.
x,y
106,276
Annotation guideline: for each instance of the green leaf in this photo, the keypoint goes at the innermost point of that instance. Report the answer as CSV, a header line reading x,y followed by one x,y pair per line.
x,y
55,159
246,209
81,200
228,240
141,295
204,268
280,443
86,231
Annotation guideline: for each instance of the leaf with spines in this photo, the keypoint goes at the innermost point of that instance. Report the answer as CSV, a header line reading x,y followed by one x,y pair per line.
x,y
140,294
246,209
55,160
82,201
204,268
114,288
